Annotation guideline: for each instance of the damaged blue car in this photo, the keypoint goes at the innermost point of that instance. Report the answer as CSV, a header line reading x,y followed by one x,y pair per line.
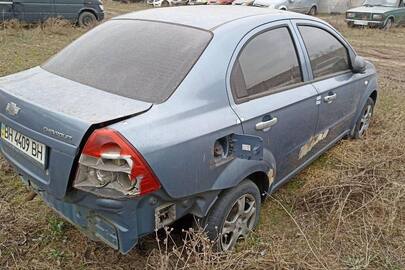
x,y
185,116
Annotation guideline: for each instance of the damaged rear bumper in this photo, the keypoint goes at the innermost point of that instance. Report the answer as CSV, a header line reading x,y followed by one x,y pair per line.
x,y
117,223
99,222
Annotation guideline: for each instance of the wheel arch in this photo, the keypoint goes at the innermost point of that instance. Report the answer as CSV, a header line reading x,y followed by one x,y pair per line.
x,y
166,1
262,180
374,95
86,9
372,92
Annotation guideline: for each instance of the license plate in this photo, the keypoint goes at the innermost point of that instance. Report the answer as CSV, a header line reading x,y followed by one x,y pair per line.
x,y
25,144
360,22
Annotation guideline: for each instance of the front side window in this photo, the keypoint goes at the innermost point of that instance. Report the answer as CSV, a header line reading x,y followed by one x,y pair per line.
x,y
267,63
327,54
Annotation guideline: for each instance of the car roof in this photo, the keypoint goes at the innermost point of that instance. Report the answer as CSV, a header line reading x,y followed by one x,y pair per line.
x,y
207,17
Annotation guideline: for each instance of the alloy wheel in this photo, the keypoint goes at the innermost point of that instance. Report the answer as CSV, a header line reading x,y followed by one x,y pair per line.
x,y
239,221
365,120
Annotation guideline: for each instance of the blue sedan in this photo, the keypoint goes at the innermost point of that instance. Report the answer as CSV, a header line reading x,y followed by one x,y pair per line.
x,y
164,113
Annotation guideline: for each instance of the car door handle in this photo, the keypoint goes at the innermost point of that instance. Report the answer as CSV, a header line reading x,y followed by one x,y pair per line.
x,y
330,98
266,124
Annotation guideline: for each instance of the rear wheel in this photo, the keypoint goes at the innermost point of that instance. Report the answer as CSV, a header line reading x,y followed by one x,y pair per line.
x,y
364,120
312,11
233,216
87,18
165,4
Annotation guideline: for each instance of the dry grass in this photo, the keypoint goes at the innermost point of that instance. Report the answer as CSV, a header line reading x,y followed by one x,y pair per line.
x,y
345,211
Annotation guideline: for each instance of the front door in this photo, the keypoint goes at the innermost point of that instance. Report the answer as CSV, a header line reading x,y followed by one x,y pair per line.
x,y
338,87
68,9
33,10
270,98
297,6
400,14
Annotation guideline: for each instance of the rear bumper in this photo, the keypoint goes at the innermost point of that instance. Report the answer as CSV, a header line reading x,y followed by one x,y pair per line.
x,y
93,223
117,223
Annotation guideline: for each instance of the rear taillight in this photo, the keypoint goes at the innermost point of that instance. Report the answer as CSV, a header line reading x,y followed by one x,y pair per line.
x,y
110,166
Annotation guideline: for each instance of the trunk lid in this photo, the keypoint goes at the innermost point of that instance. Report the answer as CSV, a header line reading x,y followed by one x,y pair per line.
x,y
58,113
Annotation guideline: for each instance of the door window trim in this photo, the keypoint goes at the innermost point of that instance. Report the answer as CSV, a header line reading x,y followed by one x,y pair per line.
x,y
239,50
349,51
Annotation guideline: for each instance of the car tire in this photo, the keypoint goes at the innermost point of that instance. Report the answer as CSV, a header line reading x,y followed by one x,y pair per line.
x,y
350,24
313,11
364,119
388,24
234,215
86,18
165,4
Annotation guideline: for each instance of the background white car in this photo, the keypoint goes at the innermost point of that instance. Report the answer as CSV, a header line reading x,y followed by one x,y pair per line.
x,y
166,3
302,6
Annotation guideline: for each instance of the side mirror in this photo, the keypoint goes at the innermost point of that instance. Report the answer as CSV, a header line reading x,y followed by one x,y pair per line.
x,y
359,65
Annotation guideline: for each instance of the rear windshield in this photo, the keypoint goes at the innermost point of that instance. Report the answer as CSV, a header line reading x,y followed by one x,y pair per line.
x,y
142,60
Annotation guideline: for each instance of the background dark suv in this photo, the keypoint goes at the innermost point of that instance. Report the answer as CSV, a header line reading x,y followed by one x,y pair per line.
x,y
78,11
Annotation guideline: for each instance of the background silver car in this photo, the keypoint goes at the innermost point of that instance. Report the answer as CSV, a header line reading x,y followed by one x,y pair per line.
x,y
301,6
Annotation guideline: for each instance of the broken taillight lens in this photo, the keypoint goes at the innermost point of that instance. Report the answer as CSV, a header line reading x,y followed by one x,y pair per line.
x,y
109,165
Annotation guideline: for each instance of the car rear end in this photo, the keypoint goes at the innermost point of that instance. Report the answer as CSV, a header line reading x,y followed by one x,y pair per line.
x,y
56,126
43,142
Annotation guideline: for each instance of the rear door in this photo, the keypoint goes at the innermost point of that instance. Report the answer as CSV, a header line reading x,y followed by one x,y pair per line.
x,y
297,6
33,10
270,96
68,9
338,87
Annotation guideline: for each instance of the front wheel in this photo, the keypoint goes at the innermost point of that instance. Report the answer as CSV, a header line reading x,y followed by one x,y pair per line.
x,y
364,120
87,18
388,24
233,216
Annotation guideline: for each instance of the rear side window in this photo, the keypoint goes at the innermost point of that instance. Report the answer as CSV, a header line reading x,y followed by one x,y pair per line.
x,y
266,64
327,54
141,60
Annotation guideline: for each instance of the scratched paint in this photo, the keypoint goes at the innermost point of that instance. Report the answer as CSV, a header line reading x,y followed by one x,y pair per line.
x,y
270,176
314,140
